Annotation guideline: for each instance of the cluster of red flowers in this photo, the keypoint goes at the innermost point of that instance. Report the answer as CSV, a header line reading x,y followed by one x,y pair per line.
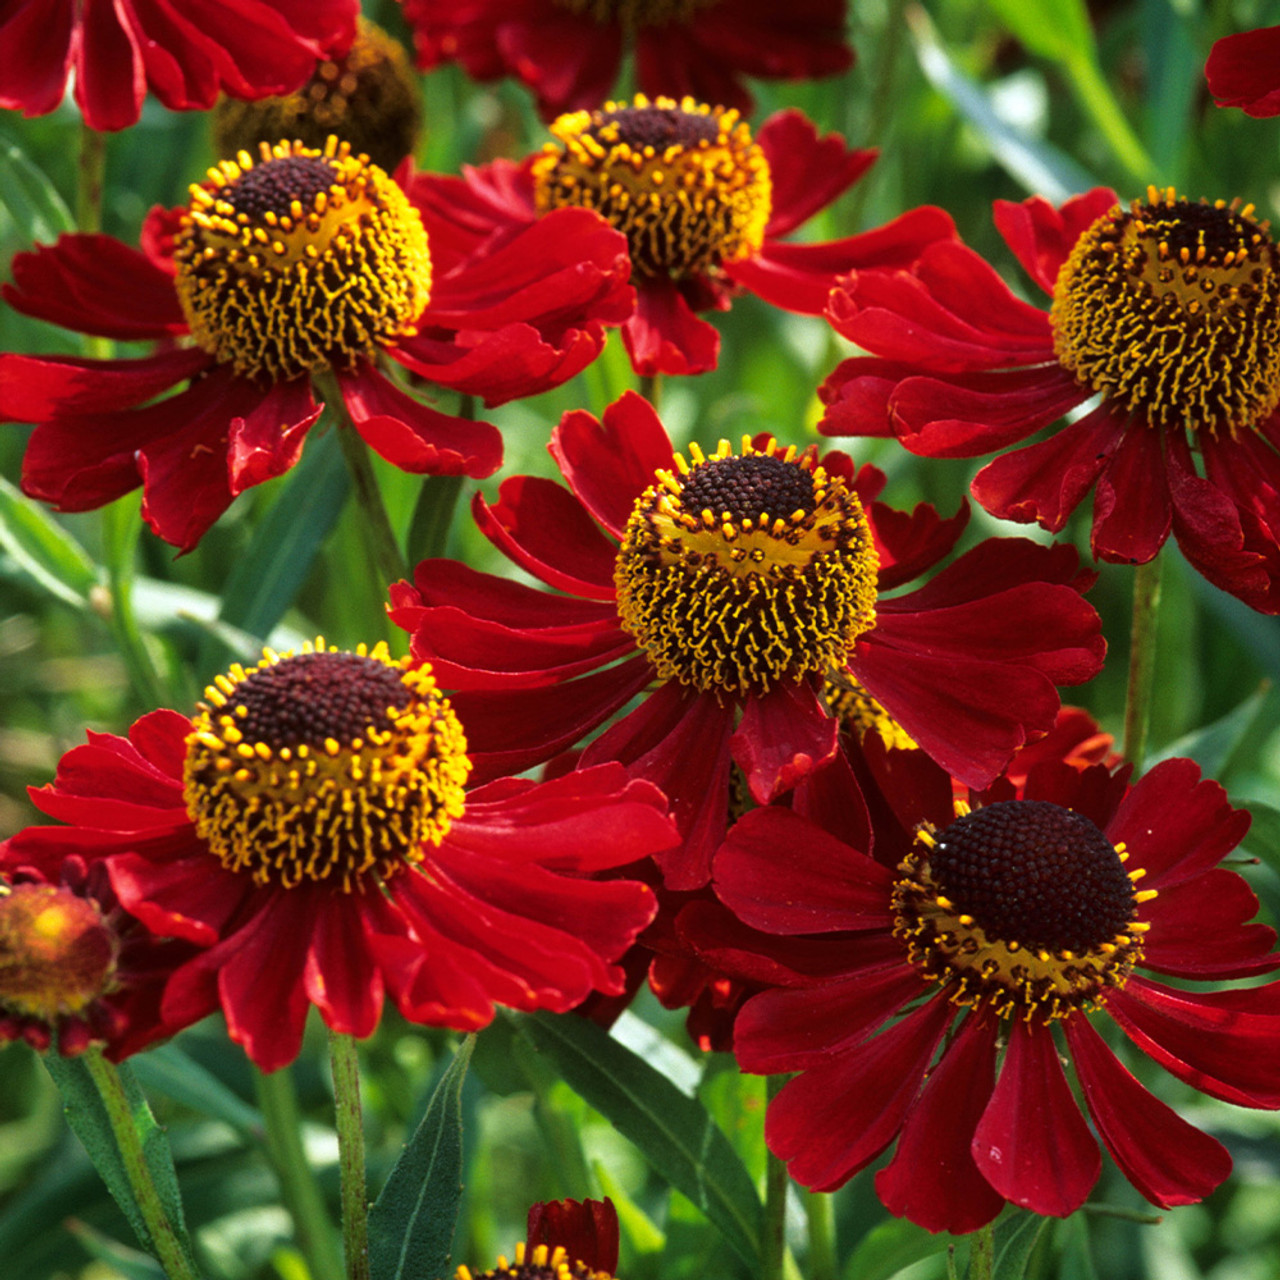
x,y
814,779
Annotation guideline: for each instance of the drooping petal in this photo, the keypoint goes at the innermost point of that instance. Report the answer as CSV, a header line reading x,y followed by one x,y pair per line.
x,y
664,336
1042,236
836,1117
1170,1161
1241,71
933,1179
1032,1144
784,735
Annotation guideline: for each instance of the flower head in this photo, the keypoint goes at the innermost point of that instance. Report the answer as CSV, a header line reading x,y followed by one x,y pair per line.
x,y
315,808
1020,910
732,588
299,261
1166,311
368,97
185,53
567,1240
569,52
703,202
75,968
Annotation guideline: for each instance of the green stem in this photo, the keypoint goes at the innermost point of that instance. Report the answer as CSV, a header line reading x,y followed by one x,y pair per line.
x,y
651,387
433,517
819,1209
773,1240
121,525
982,1253
384,549
90,172
298,1186
355,1202
1142,659
164,1239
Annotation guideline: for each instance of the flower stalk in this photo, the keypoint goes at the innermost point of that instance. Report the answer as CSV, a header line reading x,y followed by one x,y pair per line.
x,y
1142,659
773,1239
298,1186
345,1062
164,1237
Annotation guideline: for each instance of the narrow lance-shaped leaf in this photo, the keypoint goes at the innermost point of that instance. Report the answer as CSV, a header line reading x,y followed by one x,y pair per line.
x,y
412,1223
673,1132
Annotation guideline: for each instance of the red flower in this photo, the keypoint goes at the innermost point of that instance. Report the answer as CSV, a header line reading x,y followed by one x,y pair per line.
x,y
587,1231
309,830
1169,311
732,623
953,949
1242,71
75,967
186,52
352,277
704,209
569,51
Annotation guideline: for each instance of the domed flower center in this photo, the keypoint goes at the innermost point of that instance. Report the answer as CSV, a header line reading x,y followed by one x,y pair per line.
x,y
57,952
638,13
324,766
368,97
301,260
1024,906
538,1263
1173,310
683,182
738,572
860,713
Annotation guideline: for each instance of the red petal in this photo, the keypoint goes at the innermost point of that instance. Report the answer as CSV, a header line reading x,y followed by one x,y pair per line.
x,y
267,441
808,172
835,1118
1170,1161
545,530
1132,510
908,543
110,81
587,1230
1032,1144
1241,71
783,736
35,52
1045,482
608,464
789,1030
933,1179
664,336
1176,825
414,436
341,978
95,284
1042,237
1212,1040
780,873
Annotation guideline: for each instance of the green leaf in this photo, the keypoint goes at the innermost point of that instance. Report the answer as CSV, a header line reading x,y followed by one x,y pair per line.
x,y
636,1225
891,1247
45,549
1055,29
32,201
412,1223
1016,1237
120,1258
673,1131
87,1114
267,578
1213,746
168,1071
1034,163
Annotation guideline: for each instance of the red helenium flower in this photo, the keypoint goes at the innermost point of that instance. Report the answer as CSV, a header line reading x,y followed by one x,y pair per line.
x,y
569,51
934,964
232,831
186,52
1169,311
731,623
704,208
75,967
587,1230
247,299
1242,71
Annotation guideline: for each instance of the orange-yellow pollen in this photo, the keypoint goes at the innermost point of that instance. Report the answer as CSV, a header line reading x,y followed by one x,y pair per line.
x,y
684,182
